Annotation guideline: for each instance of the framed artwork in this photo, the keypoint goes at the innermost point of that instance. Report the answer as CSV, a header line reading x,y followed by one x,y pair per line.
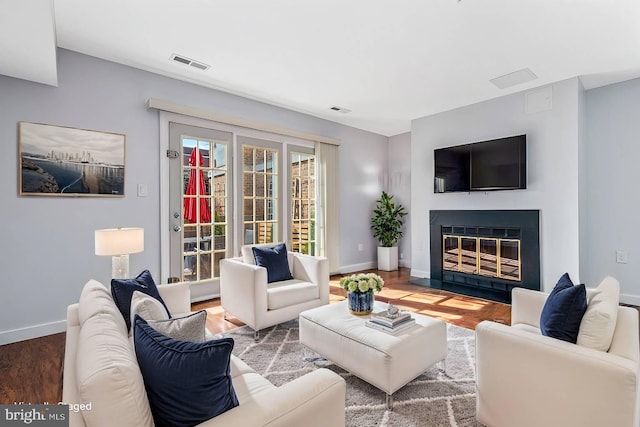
x,y
65,161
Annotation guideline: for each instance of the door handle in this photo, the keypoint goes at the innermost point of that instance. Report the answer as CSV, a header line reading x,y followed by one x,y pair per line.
x,y
177,228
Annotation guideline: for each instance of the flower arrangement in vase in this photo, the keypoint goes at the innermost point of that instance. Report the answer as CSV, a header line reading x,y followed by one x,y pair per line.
x,y
360,289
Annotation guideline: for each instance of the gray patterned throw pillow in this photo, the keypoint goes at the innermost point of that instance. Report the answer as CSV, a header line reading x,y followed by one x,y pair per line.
x,y
187,328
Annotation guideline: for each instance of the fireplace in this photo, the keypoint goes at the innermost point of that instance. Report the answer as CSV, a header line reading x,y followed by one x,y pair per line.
x,y
485,253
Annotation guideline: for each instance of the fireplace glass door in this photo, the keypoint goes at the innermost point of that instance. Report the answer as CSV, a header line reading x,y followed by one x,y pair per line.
x,y
510,259
488,254
488,257
468,255
451,255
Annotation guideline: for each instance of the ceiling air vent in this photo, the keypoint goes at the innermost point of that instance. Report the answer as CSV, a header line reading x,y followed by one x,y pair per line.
x,y
340,109
191,62
515,78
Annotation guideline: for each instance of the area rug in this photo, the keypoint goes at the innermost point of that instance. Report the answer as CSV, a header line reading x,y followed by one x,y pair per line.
x,y
434,398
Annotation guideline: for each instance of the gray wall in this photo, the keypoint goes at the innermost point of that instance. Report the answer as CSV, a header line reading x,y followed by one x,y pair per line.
x,y
582,176
613,177
583,195
47,242
399,185
552,146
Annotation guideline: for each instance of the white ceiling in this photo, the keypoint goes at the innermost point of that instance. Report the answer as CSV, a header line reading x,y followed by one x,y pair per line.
x,y
28,40
387,61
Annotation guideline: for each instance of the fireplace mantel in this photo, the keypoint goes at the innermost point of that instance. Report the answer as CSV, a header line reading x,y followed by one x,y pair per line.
x,y
481,226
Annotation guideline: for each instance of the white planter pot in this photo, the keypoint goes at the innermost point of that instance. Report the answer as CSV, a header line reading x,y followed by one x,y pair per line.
x,y
387,258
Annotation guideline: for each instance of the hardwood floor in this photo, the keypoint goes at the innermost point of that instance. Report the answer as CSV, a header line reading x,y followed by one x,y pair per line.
x,y
31,371
458,309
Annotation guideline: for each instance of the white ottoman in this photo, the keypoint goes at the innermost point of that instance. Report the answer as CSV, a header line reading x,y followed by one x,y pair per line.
x,y
386,361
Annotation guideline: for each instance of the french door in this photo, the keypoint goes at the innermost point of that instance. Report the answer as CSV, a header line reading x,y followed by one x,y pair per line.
x,y
229,187
200,209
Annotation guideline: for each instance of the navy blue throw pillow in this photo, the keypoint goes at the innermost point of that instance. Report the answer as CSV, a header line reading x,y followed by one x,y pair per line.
x,y
563,310
122,291
187,383
275,260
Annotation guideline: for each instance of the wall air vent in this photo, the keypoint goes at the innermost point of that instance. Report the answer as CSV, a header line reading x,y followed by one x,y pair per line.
x,y
340,109
188,61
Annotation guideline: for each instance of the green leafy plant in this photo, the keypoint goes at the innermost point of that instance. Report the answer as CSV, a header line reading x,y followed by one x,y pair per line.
x,y
387,221
218,230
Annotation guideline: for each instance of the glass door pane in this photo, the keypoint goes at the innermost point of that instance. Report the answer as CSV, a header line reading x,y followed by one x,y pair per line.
x,y
451,252
260,194
468,255
199,212
488,257
303,203
510,259
204,208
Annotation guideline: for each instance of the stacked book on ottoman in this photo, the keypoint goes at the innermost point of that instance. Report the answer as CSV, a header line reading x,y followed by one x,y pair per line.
x,y
391,324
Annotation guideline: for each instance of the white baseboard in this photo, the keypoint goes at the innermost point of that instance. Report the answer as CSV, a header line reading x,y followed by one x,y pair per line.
x,y
630,299
357,267
420,273
368,266
35,331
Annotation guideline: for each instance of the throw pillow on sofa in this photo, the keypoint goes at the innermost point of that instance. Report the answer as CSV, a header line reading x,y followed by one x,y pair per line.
x,y
599,321
187,328
187,383
146,307
122,291
191,327
275,260
563,310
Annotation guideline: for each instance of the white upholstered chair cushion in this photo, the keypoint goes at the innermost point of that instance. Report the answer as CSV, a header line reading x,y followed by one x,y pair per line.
x,y
290,292
599,321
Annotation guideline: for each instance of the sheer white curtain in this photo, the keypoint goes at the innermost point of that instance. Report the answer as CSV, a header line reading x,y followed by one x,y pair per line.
x,y
328,220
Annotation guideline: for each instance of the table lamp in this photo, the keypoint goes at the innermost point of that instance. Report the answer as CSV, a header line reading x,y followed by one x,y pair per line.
x,y
119,243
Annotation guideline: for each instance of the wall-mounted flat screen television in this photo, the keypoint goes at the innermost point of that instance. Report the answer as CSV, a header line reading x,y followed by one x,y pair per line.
x,y
498,164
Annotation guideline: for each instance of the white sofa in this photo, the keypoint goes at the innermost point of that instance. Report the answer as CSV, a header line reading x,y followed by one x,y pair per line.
x,y
245,293
526,379
100,369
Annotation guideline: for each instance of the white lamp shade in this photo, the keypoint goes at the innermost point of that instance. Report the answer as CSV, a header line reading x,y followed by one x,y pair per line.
x,y
119,241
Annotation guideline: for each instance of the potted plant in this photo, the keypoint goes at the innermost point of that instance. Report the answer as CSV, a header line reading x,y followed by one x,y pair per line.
x,y
360,289
386,223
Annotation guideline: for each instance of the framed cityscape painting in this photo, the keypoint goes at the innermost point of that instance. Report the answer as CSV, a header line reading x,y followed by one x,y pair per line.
x,y
65,161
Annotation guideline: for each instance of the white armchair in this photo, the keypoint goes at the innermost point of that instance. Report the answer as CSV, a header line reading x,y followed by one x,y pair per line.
x,y
527,379
245,293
